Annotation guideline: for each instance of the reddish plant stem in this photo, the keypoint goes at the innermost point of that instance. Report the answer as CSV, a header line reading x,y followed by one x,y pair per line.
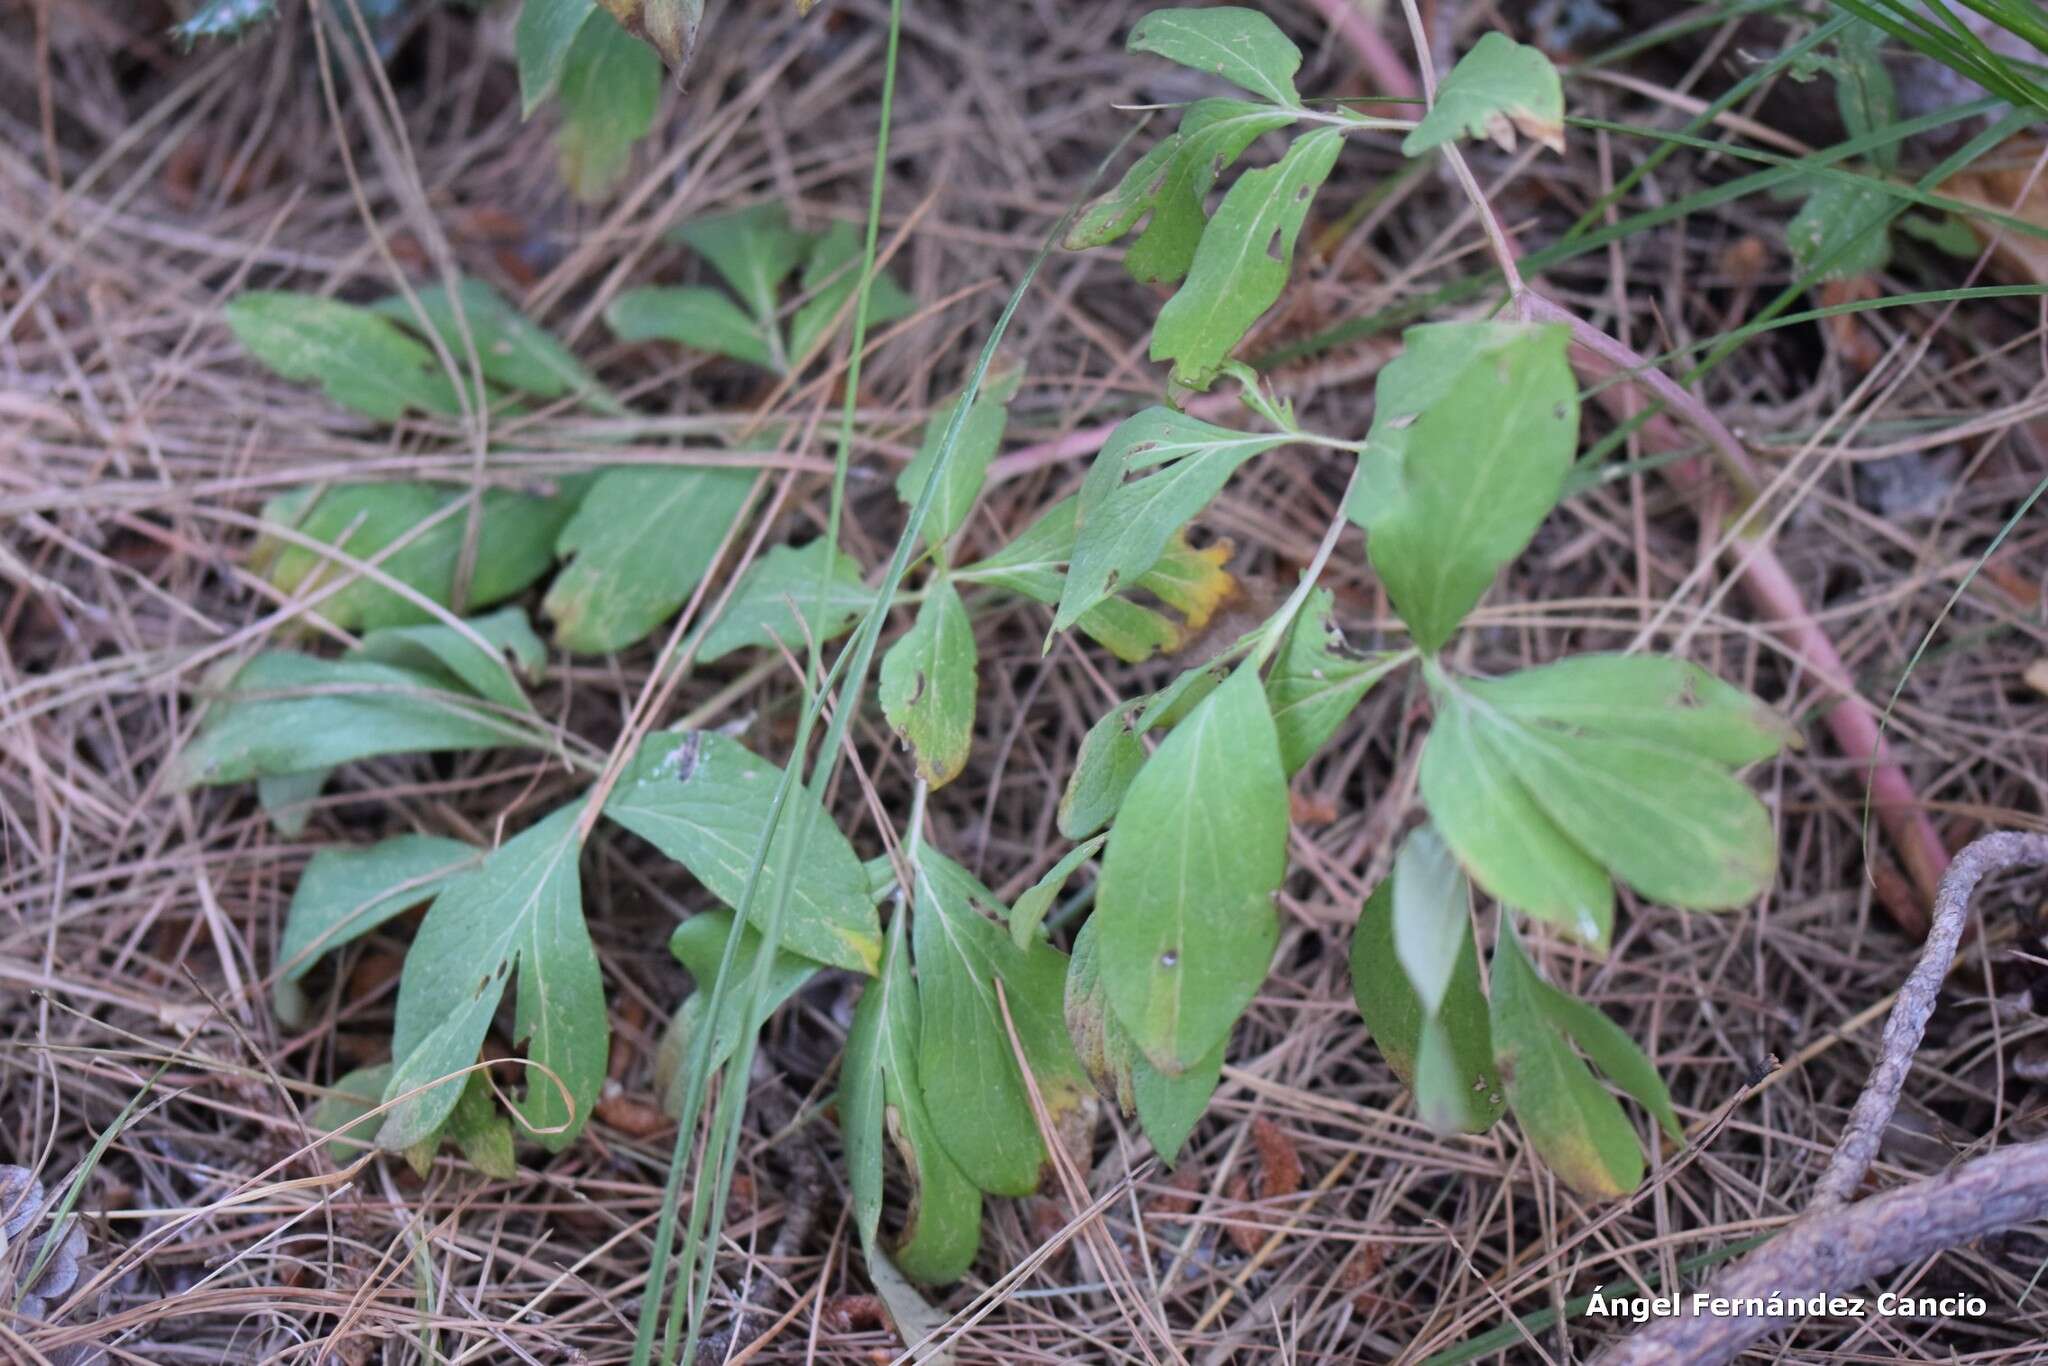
x,y
1763,577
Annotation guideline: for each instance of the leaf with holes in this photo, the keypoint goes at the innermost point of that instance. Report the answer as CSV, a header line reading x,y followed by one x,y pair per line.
x,y
704,799
880,1093
637,547
359,360
520,912
1171,183
778,602
1474,430
515,545
1241,264
1194,861
1499,88
1242,46
972,1089
1167,1107
1568,1117
610,87
928,685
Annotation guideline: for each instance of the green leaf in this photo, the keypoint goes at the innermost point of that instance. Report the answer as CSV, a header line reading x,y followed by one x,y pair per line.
x,y
287,713
520,911
1194,861
1502,835
928,684
777,600
1459,1090
1641,697
1242,46
637,547
1127,533
287,798
1498,88
341,1113
1432,915
1614,1053
222,19
510,350
515,546
1568,1117
1466,407
703,799
541,42
1171,183
346,893
1317,680
360,360
972,1088
880,1093
1107,764
831,277
1841,226
697,316
484,1135
1158,436
980,437
699,945
1864,93
1241,264
1029,911
456,657
1167,1107
610,87
754,249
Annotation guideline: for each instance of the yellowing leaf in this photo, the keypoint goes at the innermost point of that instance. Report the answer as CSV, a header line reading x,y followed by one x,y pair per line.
x,y
1192,581
928,684
1498,88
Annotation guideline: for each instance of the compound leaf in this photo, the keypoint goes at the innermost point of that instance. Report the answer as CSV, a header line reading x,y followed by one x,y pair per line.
x,y
637,547
1498,88
1241,263
1193,863
703,799
1474,429
520,910
928,685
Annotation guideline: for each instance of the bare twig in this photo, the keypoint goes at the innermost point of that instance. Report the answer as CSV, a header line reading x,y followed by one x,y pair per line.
x,y
1836,1245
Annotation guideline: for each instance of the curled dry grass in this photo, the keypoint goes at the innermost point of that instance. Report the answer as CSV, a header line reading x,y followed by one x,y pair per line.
x,y
1314,1218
